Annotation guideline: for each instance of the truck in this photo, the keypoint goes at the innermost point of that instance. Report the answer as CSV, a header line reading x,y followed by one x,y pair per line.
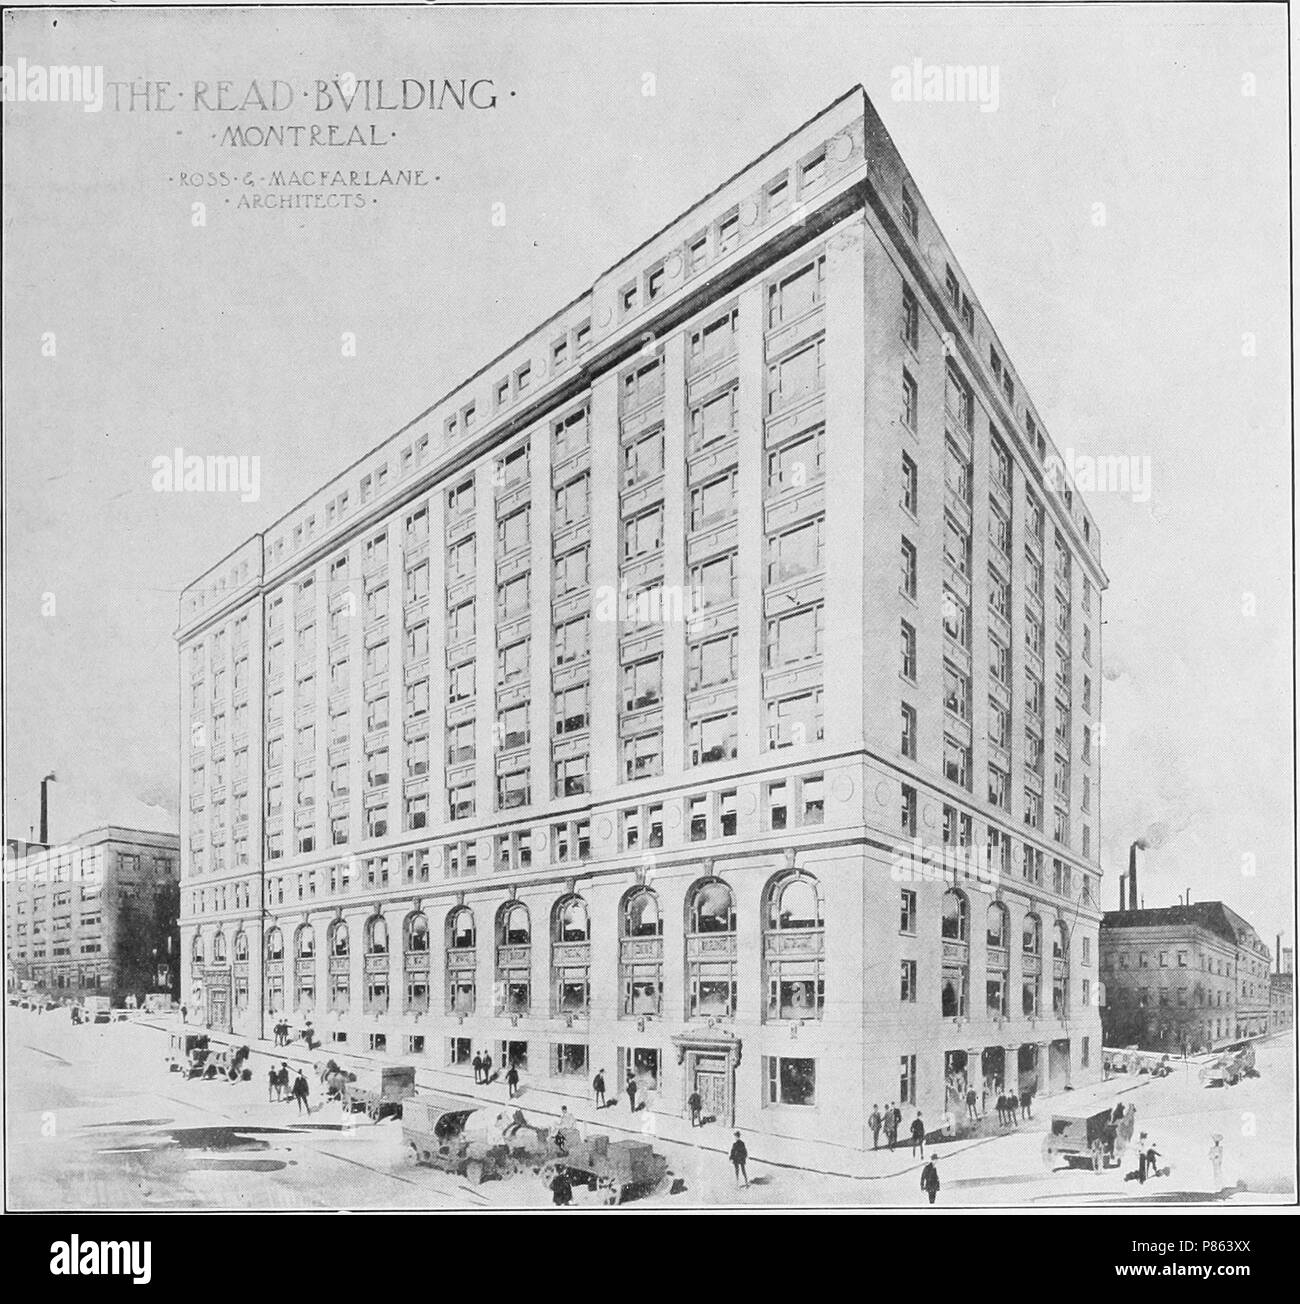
x,y
99,1009
379,1091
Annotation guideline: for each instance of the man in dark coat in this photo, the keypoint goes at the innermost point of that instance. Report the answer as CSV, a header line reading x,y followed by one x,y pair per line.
x,y
561,1189
930,1178
300,1092
631,1094
694,1103
512,1081
971,1098
478,1067
918,1134
739,1155
598,1086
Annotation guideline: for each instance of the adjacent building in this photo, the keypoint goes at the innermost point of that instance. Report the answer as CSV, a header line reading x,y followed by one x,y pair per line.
x,y
96,916
1188,975
1281,990
704,691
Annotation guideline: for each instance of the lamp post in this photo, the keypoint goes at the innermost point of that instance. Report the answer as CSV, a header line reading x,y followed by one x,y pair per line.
x,y
45,818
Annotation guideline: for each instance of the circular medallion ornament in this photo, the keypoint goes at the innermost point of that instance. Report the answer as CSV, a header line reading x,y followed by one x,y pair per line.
x,y
673,266
748,802
882,793
604,316
841,147
842,786
928,815
604,827
748,213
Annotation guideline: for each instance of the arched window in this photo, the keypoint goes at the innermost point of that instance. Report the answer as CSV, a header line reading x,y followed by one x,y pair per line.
x,y
340,943
1031,963
304,942
954,988
219,949
274,971
640,914
956,917
1060,970
571,920
641,953
461,983
196,949
997,935
792,903
416,929
1060,942
998,928
376,936
711,908
275,945
794,959
304,969
514,925
241,945
514,959
460,929
711,950
571,957
1032,937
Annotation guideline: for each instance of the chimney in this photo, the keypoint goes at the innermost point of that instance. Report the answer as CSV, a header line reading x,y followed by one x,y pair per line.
x,y
1133,876
1278,952
1123,878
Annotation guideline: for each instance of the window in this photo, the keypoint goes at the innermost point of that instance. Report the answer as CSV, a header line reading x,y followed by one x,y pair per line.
x,y
909,485
910,403
571,570
796,294
907,981
796,376
907,640
795,637
713,502
909,327
907,811
714,581
778,196
791,1081
643,755
728,233
907,913
711,662
571,503
798,462
796,552
714,420
956,546
956,618
907,558
643,459
907,1080
713,739
715,341
795,720
643,385
908,742
643,534
959,398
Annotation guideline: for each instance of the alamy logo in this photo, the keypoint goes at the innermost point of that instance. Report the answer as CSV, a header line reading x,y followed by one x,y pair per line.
x,y
78,1258
180,473
35,83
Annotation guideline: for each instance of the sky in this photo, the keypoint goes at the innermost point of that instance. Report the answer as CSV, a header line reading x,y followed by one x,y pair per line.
x,y
1120,210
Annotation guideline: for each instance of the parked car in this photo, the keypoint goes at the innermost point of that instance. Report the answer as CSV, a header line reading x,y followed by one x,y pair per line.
x,y
434,1129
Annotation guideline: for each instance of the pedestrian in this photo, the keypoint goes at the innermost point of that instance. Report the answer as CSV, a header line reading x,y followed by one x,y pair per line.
x,y
284,1081
1142,1158
272,1085
1026,1104
512,1081
478,1067
918,1134
309,1036
874,1122
631,1094
1153,1160
300,1093
598,1086
184,1014
1002,1109
930,1178
695,1104
892,1119
487,1067
561,1189
1216,1160
971,1112
739,1155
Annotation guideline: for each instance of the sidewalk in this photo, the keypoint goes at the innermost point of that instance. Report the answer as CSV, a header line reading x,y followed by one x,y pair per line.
x,y
541,1104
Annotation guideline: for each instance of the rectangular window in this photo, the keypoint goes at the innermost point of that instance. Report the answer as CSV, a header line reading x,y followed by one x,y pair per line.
x,y
910,405
795,553
796,376
908,742
791,1081
798,462
909,327
907,981
907,913
907,641
909,485
907,559
796,294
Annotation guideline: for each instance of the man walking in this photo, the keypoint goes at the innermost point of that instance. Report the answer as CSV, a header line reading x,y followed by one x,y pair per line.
x,y
874,1122
273,1085
1216,1160
739,1155
1026,1104
512,1081
892,1119
631,1094
971,1112
300,1092
487,1067
918,1134
477,1062
930,1178
598,1086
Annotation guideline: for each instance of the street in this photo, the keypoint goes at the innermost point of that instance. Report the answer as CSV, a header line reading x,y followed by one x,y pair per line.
x,y
96,1121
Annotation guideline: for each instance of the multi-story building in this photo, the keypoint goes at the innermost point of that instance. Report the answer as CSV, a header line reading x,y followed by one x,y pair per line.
x,y
1281,990
96,916
1188,975
678,695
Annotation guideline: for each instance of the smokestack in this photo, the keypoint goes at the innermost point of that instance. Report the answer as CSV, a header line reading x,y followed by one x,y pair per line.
x,y
1123,878
1133,876
45,809
1277,951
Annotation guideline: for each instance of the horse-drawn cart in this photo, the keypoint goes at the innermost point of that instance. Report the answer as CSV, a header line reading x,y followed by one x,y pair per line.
x,y
615,1170
380,1091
